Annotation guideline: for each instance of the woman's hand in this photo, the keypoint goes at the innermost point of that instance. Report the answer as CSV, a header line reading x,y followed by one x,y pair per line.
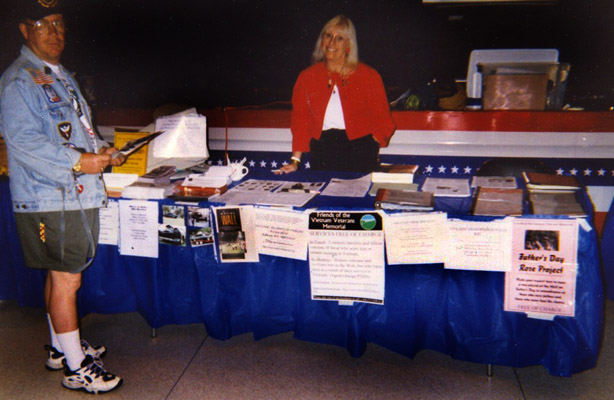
x,y
286,169
295,160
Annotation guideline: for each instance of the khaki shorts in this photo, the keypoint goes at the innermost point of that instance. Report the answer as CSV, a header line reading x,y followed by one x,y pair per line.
x,y
41,239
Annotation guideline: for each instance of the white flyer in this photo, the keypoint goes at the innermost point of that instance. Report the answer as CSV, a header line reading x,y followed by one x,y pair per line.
x,y
281,233
139,228
184,136
109,223
479,245
415,238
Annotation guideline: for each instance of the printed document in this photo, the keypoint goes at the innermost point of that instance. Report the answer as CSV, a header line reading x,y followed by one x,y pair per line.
x,y
346,256
184,136
281,233
478,245
139,228
415,238
109,223
348,187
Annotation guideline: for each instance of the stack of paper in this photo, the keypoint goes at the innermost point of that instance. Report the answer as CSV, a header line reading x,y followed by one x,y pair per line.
x,y
116,182
146,190
395,173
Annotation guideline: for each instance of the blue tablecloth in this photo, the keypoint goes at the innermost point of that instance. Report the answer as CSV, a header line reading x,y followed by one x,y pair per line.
x,y
607,252
459,313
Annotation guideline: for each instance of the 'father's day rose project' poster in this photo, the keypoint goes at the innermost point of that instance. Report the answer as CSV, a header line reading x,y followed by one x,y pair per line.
x,y
544,266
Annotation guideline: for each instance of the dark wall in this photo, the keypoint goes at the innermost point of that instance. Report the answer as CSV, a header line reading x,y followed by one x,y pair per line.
x,y
236,53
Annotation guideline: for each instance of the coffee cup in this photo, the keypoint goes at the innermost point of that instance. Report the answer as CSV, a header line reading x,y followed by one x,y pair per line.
x,y
238,171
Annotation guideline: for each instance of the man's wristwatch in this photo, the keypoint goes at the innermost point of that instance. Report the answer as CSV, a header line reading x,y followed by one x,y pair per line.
x,y
77,166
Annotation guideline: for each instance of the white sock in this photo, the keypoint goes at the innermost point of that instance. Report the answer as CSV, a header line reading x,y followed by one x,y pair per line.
x,y
54,338
70,342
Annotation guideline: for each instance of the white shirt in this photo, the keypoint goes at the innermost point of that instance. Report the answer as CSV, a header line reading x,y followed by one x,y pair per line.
x,y
333,118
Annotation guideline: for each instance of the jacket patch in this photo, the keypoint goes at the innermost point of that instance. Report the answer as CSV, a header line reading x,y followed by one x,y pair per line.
x,y
39,77
51,94
65,130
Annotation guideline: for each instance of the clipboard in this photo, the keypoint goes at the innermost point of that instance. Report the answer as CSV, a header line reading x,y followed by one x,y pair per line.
x,y
135,144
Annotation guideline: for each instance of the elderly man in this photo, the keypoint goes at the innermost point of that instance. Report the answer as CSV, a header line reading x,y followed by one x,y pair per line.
x,y
55,164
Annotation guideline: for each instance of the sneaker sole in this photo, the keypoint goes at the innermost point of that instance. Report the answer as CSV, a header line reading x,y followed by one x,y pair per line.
x,y
83,389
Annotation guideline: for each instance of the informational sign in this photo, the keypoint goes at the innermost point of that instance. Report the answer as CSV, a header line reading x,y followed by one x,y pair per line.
x,y
346,256
544,267
415,238
139,228
109,223
479,245
281,233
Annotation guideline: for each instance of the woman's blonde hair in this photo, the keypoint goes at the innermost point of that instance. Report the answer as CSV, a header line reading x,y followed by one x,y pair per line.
x,y
351,58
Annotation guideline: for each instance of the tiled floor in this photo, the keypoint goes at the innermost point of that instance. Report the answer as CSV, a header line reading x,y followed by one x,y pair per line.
x,y
182,362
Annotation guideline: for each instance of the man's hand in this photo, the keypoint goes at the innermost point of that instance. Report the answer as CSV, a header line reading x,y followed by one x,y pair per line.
x,y
119,160
94,163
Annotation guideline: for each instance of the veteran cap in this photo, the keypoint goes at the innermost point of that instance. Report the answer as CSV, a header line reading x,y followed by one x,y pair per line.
x,y
38,9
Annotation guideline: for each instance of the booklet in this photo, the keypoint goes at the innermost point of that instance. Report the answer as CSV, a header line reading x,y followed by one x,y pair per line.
x,y
133,145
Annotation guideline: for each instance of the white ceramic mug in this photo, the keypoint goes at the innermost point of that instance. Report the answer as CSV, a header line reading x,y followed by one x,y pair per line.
x,y
238,171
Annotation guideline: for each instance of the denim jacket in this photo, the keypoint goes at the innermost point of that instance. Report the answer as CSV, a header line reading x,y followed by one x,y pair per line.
x,y
45,139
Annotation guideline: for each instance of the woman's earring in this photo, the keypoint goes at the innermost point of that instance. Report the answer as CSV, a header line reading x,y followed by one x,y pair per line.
x,y
347,50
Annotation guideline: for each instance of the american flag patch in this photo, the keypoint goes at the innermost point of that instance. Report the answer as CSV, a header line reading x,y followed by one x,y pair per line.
x,y
39,77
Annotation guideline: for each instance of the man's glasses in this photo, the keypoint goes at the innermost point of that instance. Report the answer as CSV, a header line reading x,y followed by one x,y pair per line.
x,y
43,27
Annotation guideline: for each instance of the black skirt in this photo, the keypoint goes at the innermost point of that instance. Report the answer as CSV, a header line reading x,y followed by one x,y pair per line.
x,y
335,152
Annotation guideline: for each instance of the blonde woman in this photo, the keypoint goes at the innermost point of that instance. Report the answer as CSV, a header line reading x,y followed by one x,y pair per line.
x,y
340,112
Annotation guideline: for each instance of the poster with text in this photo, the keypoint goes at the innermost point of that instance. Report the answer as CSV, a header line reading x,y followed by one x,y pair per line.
x,y
346,256
139,228
479,245
281,233
544,266
415,238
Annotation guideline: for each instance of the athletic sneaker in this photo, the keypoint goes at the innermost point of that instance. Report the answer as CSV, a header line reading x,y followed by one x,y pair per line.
x,y
55,361
91,377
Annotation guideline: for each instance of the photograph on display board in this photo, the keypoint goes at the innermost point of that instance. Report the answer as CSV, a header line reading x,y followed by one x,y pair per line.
x,y
199,217
200,237
171,234
173,215
541,240
232,245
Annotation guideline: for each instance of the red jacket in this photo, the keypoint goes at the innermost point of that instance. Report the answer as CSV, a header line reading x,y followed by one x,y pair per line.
x,y
363,98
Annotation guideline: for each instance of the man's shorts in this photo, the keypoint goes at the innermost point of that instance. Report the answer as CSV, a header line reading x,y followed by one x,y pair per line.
x,y
41,239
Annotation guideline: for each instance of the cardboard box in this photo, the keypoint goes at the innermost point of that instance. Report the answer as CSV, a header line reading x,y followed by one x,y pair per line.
x,y
515,92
